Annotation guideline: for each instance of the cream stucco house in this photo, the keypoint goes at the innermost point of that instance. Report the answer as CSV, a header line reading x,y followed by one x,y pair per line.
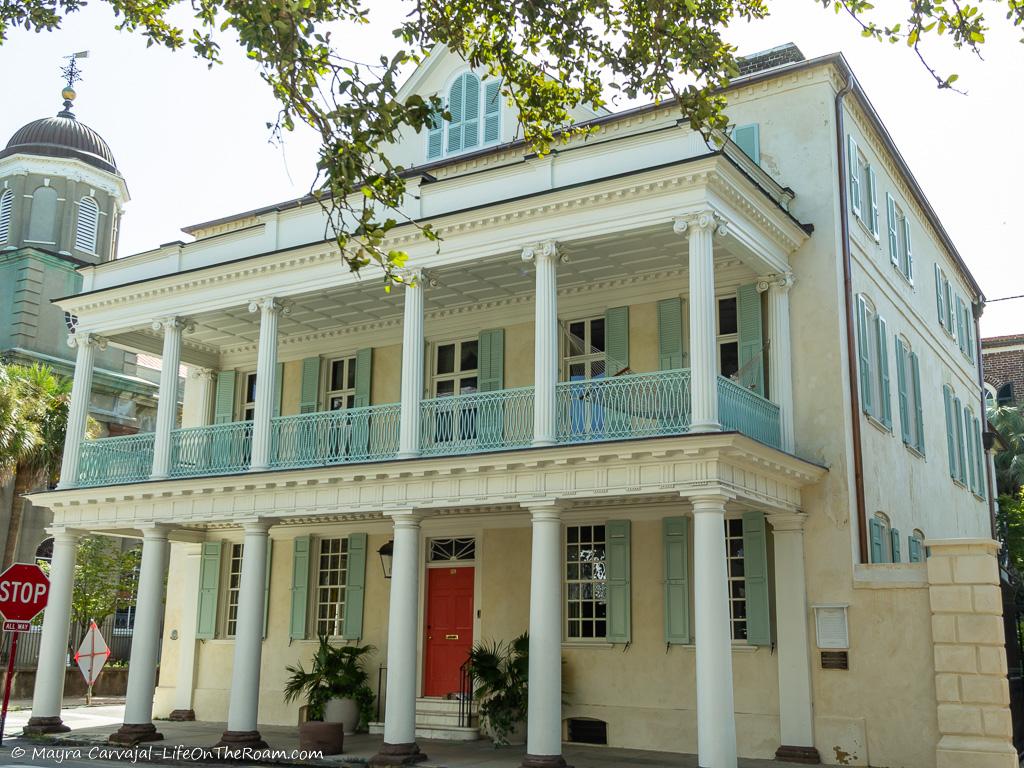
x,y
693,413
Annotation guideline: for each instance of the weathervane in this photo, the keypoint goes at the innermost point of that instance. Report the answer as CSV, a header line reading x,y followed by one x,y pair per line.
x,y
72,74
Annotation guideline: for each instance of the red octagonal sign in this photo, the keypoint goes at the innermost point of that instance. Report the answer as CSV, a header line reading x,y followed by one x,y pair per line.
x,y
23,592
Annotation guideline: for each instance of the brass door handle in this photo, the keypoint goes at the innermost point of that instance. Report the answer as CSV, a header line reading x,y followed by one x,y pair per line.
x,y
451,637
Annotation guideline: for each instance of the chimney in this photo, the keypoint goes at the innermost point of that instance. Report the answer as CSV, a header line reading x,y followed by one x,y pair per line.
x,y
779,56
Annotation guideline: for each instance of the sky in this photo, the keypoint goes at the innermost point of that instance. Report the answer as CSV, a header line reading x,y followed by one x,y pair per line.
x,y
193,142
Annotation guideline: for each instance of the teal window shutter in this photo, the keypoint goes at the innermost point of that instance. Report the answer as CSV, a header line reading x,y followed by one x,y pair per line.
x,y
755,578
309,394
300,587
960,323
885,412
947,401
670,334
491,360
894,240
979,457
471,111
950,320
914,549
617,551
224,398
873,201
457,111
492,111
864,355
901,388
748,138
355,586
854,171
751,339
938,297
876,530
969,453
364,370
266,586
908,251
894,536
915,372
435,136
278,385
958,418
676,539
209,585
616,340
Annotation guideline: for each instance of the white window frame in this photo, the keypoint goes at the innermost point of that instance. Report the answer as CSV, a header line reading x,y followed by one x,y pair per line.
x,y
456,376
330,599
596,584
724,339
234,584
348,393
737,579
445,96
587,358
83,239
244,404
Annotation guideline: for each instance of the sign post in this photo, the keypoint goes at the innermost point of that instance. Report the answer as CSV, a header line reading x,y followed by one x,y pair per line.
x,y
90,657
24,590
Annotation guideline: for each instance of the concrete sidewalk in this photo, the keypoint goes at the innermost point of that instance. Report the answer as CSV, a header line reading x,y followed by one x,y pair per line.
x,y
359,748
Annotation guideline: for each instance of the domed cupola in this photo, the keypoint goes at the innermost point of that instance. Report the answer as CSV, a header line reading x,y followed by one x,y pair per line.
x,y
62,136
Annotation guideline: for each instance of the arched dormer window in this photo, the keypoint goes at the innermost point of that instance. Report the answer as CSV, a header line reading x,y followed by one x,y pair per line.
x,y
88,225
475,111
6,207
42,220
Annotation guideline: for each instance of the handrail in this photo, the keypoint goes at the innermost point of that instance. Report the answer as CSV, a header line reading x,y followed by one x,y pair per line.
x,y
335,437
477,422
467,687
745,411
122,459
211,450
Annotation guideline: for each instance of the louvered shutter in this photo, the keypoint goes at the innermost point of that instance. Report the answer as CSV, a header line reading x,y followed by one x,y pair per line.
x,y
616,330
6,209
266,586
755,579
979,458
894,537
908,251
355,586
873,201
960,314
300,587
915,370
359,420
749,322
492,111
491,362
364,377
455,109
885,411
224,398
670,334
618,558
876,532
676,541
748,138
958,421
88,225
435,136
864,355
947,402
854,171
278,387
894,240
309,392
969,452
938,297
950,320
209,585
914,549
471,111
901,388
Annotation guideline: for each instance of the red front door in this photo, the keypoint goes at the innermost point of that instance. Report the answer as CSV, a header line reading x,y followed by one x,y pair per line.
x,y
449,628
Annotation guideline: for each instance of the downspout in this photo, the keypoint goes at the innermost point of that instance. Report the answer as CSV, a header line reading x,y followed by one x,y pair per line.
x,y
976,309
851,345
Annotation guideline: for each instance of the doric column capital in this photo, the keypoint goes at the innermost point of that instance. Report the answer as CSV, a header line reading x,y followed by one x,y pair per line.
x,y
711,500
788,521
705,219
405,517
547,250
62,534
174,322
256,524
154,531
782,282
86,339
544,509
270,304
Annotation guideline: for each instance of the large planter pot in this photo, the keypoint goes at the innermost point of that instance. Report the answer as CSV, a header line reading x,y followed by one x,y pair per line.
x,y
328,738
345,711
514,738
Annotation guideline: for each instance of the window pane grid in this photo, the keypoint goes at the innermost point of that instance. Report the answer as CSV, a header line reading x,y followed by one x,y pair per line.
x,y
234,587
737,583
341,384
586,582
584,354
332,571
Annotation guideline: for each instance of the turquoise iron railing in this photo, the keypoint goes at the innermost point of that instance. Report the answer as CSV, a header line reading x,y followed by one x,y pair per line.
x,y
745,411
622,407
126,459
334,437
217,449
482,421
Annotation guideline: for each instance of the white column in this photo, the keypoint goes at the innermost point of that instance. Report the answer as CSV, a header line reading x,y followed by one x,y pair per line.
x,y
716,719
796,719
545,258
544,712
266,372
78,410
197,408
403,631
701,227
53,645
243,705
186,678
780,350
167,401
138,711
412,368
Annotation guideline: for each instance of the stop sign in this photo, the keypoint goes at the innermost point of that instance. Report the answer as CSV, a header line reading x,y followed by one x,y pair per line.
x,y
23,592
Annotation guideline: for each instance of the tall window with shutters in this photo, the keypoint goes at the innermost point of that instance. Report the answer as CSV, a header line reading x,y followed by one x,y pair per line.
x,y
881,538
863,188
332,573
584,349
586,588
87,228
737,578
247,409
341,383
908,383
900,250
475,110
872,351
6,211
234,589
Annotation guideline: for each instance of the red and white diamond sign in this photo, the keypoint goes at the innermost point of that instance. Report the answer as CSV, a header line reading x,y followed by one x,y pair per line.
x,y
92,654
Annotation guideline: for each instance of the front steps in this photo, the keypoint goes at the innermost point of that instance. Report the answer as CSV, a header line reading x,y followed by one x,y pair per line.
x,y
439,719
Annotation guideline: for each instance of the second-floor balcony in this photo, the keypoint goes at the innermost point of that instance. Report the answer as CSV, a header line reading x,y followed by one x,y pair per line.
x,y
623,407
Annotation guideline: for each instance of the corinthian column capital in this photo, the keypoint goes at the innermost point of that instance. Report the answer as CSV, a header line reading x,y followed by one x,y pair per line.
x,y
86,339
270,304
547,250
705,219
175,322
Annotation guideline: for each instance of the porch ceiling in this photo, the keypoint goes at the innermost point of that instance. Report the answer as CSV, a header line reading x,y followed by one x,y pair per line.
x,y
588,262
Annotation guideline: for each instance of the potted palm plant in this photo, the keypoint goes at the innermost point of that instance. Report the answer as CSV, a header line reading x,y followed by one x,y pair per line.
x,y
337,696
501,671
